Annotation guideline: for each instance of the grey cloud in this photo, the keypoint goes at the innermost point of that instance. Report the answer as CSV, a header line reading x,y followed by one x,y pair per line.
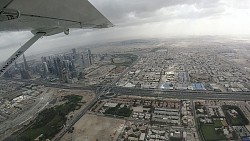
x,y
119,10
242,4
13,39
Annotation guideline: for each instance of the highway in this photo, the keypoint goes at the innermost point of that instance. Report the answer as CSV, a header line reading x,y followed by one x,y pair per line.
x,y
182,94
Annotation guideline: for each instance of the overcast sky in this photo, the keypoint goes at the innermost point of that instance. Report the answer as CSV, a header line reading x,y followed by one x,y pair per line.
x,y
146,19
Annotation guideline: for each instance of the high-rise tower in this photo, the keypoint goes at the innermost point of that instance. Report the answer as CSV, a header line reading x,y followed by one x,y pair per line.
x,y
16,65
26,67
74,53
89,57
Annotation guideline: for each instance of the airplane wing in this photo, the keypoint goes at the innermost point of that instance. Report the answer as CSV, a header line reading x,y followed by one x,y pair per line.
x,y
46,17
39,15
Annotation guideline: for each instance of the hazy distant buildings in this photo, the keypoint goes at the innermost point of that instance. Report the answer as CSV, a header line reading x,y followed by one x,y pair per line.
x,y
74,53
26,67
58,67
7,74
87,59
25,74
45,69
83,59
65,75
43,59
16,65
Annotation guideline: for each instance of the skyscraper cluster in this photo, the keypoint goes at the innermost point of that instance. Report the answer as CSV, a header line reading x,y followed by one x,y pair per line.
x,y
66,67
62,66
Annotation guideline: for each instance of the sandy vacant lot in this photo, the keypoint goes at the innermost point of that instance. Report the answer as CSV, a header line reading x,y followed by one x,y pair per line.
x,y
93,128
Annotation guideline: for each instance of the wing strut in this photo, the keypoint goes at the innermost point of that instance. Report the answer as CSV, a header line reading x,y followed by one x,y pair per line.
x,y
19,52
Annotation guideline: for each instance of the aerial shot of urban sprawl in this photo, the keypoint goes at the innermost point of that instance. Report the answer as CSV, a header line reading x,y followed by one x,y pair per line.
x,y
124,70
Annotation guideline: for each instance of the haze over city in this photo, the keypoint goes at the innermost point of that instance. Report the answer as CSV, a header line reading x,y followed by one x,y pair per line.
x,y
146,19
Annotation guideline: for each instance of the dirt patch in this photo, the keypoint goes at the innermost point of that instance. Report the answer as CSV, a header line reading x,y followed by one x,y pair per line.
x,y
93,127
